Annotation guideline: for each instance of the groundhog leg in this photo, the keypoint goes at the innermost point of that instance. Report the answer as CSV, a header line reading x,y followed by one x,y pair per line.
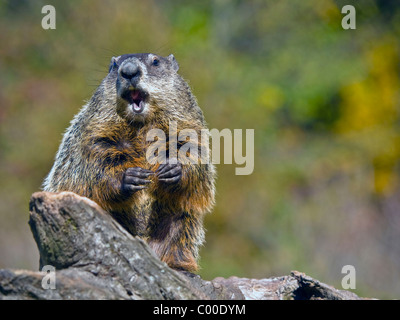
x,y
173,233
175,238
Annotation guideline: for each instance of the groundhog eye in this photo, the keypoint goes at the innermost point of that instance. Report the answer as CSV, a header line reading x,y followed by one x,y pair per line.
x,y
156,62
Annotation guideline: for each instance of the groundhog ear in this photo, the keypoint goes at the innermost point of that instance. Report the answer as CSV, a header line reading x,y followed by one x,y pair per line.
x,y
113,63
173,61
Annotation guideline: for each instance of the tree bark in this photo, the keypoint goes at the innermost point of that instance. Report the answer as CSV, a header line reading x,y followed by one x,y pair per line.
x,y
95,258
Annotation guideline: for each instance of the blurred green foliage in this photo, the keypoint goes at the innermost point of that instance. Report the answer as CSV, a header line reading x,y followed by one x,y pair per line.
x,y
324,103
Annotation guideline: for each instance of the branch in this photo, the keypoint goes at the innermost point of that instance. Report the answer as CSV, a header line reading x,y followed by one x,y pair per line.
x,y
95,258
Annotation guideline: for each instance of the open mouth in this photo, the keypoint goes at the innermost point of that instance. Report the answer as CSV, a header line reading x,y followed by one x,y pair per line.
x,y
136,98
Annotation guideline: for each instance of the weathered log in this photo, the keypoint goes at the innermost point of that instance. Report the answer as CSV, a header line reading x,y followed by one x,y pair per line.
x,y
95,258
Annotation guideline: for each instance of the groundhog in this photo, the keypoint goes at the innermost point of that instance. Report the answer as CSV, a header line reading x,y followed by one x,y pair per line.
x,y
102,156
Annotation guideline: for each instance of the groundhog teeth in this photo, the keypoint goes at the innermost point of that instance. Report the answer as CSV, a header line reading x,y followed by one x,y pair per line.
x,y
138,108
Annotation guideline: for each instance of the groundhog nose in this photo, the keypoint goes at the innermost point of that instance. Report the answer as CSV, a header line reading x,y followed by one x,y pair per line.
x,y
130,71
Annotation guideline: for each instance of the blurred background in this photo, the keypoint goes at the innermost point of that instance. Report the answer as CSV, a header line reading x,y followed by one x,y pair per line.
x,y
323,101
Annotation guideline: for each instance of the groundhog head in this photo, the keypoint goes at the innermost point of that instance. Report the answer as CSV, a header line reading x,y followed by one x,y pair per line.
x,y
145,83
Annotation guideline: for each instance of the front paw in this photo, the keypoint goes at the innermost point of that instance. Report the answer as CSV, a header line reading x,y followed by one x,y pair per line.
x,y
169,173
135,179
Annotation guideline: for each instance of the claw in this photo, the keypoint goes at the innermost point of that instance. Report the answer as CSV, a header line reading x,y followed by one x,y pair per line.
x,y
139,172
170,180
171,173
161,168
131,187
